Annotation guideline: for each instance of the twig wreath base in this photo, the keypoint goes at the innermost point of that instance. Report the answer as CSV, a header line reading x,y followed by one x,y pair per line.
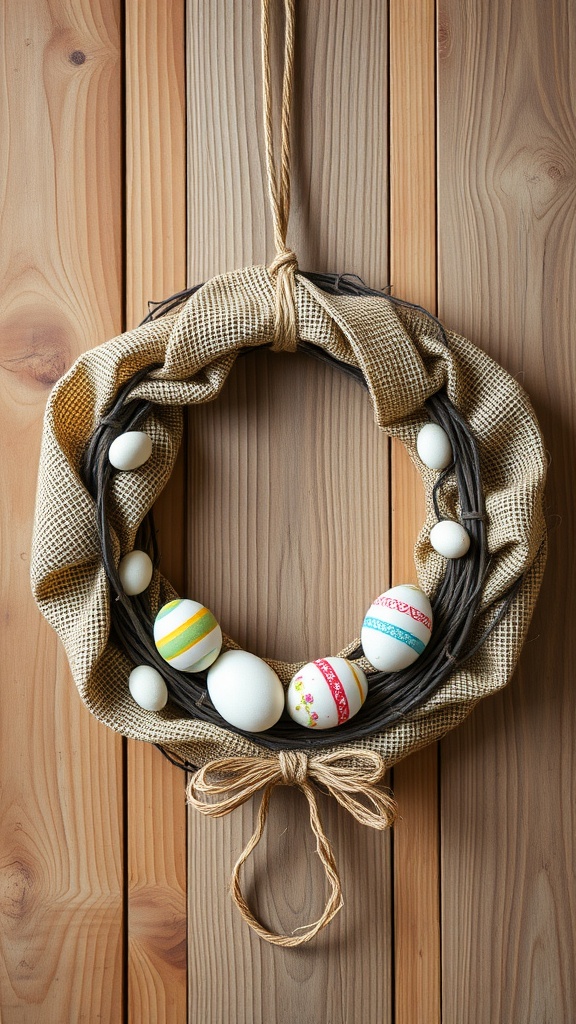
x,y
457,604
88,516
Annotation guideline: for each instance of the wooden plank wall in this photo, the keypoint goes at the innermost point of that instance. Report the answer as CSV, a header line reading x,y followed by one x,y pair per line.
x,y
155,210
434,151
506,210
61,779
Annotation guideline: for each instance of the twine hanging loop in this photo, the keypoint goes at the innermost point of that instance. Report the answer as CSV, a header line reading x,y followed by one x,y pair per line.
x,y
285,264
351,776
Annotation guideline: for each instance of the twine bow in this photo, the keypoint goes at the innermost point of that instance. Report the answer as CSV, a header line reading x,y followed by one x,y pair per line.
x,y
349,775
285,264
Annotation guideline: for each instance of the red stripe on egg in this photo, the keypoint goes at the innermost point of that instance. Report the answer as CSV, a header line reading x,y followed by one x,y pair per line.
x,y
405,609
336,689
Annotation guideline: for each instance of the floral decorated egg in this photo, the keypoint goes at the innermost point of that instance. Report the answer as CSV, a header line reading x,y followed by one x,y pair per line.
x,y
326,693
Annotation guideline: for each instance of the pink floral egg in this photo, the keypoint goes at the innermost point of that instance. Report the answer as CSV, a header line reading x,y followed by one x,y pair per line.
x,y
326,693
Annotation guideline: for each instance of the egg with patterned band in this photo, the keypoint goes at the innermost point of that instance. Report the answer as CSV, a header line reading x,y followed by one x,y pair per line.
x,y
397,628
187,635
326,693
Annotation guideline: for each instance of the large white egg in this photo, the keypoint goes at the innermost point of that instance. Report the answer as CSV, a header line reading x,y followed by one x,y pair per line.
x,y
130,450
326,693
148,688
187,635
449,539
433,446
245,691
397,628
135,571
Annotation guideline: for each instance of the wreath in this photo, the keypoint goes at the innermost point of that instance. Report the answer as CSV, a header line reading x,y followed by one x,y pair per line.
x,y
91,515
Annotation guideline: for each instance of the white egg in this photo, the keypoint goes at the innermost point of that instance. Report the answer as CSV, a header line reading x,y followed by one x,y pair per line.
x,y
433,446
135,571
245,691
449,539
397,628
326,693
130,450
148,688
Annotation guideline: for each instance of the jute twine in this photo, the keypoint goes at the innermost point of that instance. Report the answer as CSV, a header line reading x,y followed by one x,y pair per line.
x,y
184,357
285,264
345,775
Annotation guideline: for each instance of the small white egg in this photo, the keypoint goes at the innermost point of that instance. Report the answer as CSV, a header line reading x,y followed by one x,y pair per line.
x,y
245,691
397,628
135,571
433,446
187,635
148,688
130,450
326,693
449,539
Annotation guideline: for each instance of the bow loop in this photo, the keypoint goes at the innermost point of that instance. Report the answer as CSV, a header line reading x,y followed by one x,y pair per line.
x,y
232,781
348,768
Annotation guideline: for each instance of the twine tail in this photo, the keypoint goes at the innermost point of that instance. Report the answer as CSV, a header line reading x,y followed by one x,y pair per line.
x,y
285,264
334,902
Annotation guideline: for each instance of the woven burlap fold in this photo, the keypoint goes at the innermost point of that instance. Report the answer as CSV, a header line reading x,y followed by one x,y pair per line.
x,y
403,361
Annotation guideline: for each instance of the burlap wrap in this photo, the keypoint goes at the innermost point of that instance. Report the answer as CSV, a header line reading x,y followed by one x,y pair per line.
x,y
403,362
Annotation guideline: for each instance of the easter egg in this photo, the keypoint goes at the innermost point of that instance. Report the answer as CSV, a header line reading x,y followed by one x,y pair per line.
x,y
245,691
187,635
433,446
130,450
397,628
326,693
449,539
148,688
135,571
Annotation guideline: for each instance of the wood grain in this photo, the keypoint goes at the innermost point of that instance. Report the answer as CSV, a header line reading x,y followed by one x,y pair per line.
x,y
60,266
507,203
271,517
413,277
289,529
156,268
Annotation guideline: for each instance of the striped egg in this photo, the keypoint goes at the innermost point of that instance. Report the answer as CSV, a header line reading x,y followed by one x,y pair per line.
x,y
187,635
326,693
397,628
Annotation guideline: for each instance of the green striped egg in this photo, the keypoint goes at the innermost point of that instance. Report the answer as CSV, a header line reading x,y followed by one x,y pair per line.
x,y
187,635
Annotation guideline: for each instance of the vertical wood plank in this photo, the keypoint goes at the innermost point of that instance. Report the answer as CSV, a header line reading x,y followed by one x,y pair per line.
x,y
413,277
507,204
156,268
60,266
281,552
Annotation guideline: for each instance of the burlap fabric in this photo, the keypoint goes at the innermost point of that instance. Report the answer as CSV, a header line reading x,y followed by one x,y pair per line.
x,y
403,362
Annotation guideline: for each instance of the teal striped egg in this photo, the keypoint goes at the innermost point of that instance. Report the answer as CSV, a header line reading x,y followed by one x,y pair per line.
x,y
187,635
397,628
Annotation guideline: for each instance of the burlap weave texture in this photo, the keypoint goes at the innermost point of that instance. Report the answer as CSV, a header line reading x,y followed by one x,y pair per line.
x,y
403,361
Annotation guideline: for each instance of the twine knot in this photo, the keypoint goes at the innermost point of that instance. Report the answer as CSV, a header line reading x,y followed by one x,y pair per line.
x,y
294,767
349,775
286,260
282,270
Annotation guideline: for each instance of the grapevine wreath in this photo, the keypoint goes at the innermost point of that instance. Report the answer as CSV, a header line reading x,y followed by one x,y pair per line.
x,y
95,508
